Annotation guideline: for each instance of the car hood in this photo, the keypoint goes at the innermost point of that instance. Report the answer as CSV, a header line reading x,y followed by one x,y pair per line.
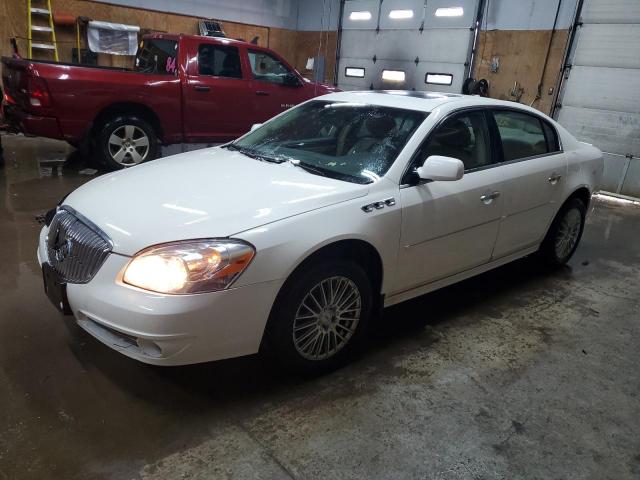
x,y
206,193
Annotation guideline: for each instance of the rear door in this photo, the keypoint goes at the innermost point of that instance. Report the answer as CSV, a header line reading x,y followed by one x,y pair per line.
x,y
534,168
450,227
276,86
218,100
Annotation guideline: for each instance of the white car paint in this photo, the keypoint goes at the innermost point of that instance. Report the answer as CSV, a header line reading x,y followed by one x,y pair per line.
x,y
433,235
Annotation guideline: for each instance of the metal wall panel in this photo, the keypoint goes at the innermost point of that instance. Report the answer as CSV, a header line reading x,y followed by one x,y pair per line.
x,y
371,6
631,182
609,46
615,167
416,6
358,44
611,11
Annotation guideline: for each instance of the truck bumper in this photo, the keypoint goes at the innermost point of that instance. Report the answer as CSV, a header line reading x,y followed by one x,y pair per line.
x,y
20,121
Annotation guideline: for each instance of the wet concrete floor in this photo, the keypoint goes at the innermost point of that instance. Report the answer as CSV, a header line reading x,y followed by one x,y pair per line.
x,y
519,373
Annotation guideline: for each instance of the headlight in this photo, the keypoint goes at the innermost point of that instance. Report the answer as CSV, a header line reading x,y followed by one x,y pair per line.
x,y
193,266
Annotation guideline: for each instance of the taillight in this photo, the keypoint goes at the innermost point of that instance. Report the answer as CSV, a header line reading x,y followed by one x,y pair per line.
x,y
38,92
8,98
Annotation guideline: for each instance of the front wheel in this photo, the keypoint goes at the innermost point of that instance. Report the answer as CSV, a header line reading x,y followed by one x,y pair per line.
x,y
564,234
125,141
321,317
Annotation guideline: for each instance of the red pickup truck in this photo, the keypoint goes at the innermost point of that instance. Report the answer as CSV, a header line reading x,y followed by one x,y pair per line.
x,y
184,88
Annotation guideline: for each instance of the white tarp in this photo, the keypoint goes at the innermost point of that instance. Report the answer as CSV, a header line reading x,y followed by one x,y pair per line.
x,y
112,38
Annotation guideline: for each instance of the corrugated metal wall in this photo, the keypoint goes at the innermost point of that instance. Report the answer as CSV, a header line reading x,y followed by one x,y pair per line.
x,y
406,44
600,100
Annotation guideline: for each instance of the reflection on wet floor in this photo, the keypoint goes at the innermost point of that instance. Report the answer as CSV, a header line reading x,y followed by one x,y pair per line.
x,y
517,373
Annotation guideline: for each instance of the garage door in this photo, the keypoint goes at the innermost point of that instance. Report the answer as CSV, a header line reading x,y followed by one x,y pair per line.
x,y
601,97
406,44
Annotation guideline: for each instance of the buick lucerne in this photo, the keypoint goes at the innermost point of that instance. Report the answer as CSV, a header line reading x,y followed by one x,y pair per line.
x,y
298,233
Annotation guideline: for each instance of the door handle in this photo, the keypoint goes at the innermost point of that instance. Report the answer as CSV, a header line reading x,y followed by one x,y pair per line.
x,y
262,93
489,197
202,88
554,178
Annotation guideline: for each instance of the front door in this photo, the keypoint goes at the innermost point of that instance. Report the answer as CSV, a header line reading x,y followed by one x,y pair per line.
x,y
275,85
451,226
535,170
218,101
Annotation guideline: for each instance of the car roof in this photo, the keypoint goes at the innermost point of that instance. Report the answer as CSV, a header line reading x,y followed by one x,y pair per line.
x,y
421,100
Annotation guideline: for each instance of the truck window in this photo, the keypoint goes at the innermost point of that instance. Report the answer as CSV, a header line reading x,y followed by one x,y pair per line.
x,y
157,55
267,68
219,61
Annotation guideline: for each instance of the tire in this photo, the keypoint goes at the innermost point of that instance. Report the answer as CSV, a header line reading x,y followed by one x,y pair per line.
x,y
295,308
564,234
124,141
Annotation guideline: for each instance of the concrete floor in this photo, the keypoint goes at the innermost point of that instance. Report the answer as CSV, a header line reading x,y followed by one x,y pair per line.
x,y
516,374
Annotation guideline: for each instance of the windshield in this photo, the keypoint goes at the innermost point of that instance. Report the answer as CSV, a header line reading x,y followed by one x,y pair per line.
x,y
348,141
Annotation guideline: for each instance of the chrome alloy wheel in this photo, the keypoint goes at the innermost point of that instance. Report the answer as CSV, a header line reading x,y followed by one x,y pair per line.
x,y
327,318
128,145
568,233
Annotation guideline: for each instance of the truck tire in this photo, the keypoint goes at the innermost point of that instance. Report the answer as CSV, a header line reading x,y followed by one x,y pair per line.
x,y
124,141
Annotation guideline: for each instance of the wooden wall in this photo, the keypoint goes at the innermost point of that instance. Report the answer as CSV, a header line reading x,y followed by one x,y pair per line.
x,y
294,46
522,55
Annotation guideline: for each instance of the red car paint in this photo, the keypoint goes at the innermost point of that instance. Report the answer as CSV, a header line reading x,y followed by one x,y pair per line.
x,y
64,101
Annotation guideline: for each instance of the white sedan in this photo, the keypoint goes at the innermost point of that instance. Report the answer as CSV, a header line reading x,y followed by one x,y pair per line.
x,y
301,231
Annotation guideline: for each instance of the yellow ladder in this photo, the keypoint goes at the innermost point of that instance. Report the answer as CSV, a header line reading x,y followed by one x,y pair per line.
x,y
45,14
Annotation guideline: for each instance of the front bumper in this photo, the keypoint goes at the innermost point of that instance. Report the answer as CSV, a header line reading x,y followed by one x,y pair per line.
x,y
20,121
169,329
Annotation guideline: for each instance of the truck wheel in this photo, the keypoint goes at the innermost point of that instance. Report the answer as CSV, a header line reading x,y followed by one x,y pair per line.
x,y
125,141
564,234
321,317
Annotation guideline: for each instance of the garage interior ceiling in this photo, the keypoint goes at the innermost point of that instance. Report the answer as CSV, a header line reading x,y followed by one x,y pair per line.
x,y
600,101
401,44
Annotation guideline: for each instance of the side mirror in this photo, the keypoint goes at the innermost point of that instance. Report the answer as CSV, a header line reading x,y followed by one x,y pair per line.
x,y
255,126
437,167
291,80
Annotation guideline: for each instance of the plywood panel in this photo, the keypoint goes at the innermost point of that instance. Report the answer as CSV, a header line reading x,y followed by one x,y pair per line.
x,y
522,56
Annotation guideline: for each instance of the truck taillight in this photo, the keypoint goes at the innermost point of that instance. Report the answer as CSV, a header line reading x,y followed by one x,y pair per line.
x,y
8,98
38,92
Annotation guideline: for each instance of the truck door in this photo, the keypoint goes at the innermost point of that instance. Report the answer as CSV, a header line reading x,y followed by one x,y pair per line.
x,y
276,87
217,94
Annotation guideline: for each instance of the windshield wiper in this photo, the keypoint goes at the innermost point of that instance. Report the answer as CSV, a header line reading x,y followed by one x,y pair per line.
x,y
251,153
308,168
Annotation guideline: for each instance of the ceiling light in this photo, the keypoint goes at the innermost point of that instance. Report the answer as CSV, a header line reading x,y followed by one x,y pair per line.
x,y
360,16
401,14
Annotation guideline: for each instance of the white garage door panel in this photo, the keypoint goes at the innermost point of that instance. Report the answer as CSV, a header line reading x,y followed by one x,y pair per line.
x,y
467,20
609,46
443,45
611,11
358,44
631,184
361,83
604,88
615,132
408,68
371,6
457,70
416,6
614,169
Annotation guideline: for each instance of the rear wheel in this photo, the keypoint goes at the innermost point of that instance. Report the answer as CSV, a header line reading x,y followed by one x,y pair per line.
x,y
321,317
564,234
125,141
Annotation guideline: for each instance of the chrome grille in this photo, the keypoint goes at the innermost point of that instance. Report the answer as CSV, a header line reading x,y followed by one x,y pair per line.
x,y
75,247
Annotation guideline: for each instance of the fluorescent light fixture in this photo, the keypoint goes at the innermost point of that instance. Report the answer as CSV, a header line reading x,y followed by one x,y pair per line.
x,y
354,72
401,14
393,75
439,78
360,16
449,12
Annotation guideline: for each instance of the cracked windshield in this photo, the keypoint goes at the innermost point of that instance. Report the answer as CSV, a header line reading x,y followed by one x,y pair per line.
x,y
348,141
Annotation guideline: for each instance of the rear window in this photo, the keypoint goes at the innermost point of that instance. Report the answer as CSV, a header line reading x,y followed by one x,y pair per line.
x,y
157,55
521,134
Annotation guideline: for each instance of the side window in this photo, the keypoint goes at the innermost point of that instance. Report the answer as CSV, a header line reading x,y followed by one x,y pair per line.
x,y
552,137
267,68
219,61
464,136
521,134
